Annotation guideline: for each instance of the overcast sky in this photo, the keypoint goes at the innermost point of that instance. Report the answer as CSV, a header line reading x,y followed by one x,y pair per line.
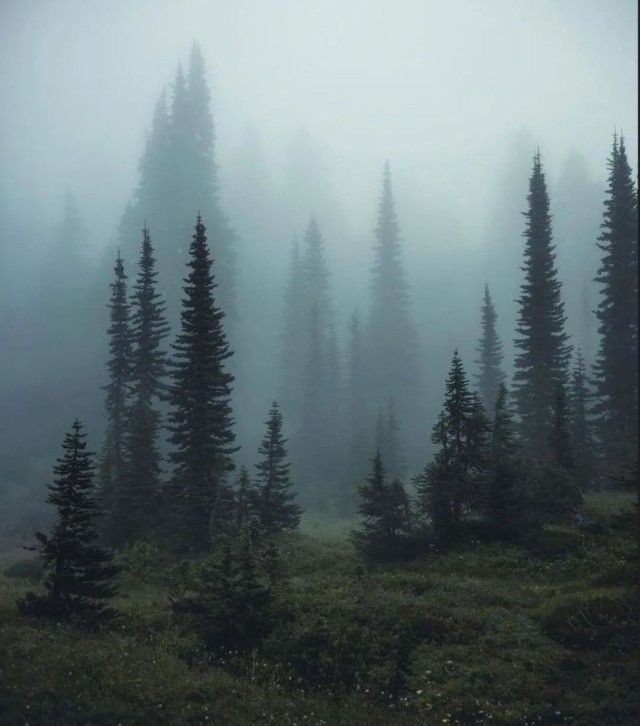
x,y
440,88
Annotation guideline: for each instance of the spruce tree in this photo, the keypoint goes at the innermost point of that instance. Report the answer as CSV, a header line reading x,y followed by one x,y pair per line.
x,y
148,369
384,509
387,440
277,509
117,410
560,444
201,417
79,574
490,374
543,350
616,369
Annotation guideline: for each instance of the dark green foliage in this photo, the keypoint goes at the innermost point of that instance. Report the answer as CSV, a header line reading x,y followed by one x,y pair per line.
x,y
553,492
560,444
275,502
543,350
148,369
228,596
448,488
200,419
616,369
385,515
580,424
490,374
78,573
114,456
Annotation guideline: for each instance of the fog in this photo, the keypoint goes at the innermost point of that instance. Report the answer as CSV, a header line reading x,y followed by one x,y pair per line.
x,y
309,99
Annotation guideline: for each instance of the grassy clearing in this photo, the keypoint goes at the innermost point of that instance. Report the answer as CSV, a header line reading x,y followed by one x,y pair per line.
x,y
483,634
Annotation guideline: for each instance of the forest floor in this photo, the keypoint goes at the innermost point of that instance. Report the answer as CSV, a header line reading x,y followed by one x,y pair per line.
x,y
481,634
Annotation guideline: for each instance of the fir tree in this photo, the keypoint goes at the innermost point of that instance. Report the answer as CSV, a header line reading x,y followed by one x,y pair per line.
x,y
387,440
616,369
201,423
277,509
148,368
116,404
541,363
79,574
490,374
384,509
560,444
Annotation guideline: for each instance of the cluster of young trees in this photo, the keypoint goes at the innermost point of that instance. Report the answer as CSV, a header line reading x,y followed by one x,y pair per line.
x,y
508,469
198,508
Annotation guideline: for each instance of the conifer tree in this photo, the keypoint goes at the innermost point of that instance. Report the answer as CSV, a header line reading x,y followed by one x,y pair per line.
x,y
117,410
490,373
391,343
277,509
201,417
447,488
384,509
387,440
581,427
148,369
543,349
560,444
79,574
616,369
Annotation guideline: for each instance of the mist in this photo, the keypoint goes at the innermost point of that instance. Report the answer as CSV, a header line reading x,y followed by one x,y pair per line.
x,y
308,101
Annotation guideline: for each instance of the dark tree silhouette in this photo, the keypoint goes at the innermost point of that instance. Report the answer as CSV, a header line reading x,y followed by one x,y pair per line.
x,y
580,424
277,509
616,369
560,444
114,456
79,573
148,369
543,351
201,423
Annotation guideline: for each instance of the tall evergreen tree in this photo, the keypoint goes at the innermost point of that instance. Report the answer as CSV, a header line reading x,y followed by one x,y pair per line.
x,y
79,574
117,409
490,374
391,356
277,509
387,440
178,176
148,369
542,344
201,422
616,369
